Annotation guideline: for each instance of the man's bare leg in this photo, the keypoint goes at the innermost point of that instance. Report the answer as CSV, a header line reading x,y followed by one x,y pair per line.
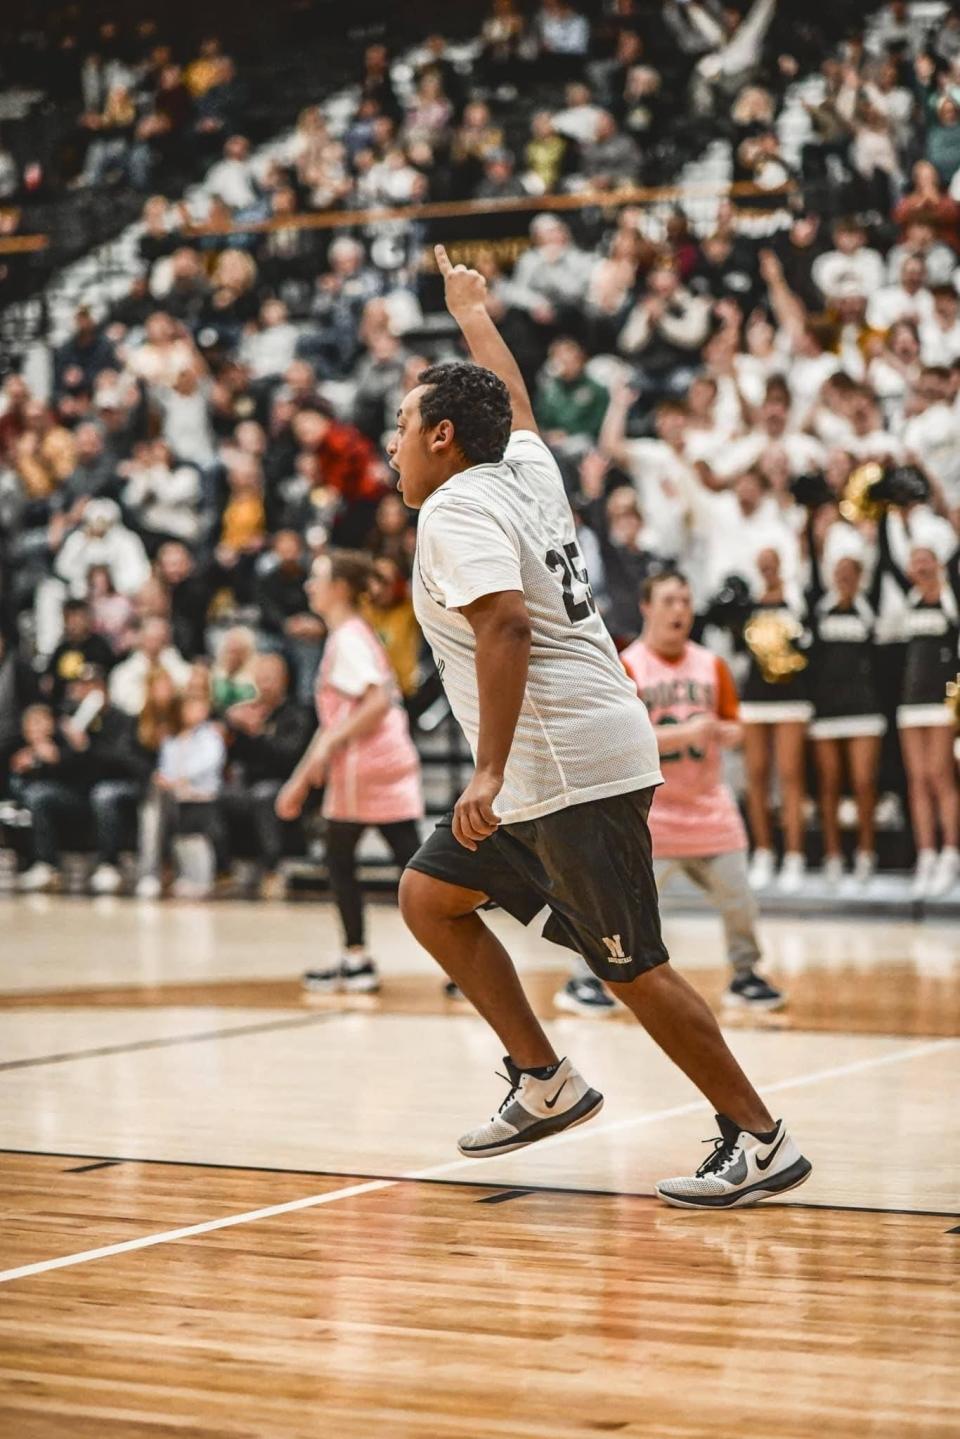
x,y
443,918
681,1022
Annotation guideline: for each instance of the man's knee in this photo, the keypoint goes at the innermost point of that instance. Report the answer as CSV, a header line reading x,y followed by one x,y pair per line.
x,y
644,985
423,898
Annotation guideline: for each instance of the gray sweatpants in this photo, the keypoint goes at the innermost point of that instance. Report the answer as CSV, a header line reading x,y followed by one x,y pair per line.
x,y
724,878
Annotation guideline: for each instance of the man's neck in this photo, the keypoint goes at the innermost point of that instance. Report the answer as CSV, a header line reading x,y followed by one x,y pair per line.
x,y
669,652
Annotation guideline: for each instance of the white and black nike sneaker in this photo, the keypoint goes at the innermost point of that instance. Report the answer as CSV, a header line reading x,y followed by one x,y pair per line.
x,y
534,1109
321,981
351,978
752,991
742,1169
586,995
362,978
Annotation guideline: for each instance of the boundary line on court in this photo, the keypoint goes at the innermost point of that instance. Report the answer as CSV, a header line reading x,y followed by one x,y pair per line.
x,y
316,1201
108,1160
168,1041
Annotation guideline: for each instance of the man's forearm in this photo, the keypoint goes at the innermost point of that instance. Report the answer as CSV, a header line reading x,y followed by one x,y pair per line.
x,y
502,662
614,427
488,348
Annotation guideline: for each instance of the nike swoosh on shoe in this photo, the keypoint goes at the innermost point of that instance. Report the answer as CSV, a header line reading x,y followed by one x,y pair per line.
x,y
765,1163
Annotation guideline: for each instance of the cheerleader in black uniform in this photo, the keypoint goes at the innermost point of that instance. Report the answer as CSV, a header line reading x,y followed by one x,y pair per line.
x,y
774,714
848,725
931,586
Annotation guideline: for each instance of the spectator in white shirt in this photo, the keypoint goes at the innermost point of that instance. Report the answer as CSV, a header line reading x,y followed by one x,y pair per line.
x,y
103,540
735,525
708,430
658,468
868,440
393,181
182,803
232,179
896,25
580,117
154,650
551,278
562,31
771,433
932,431
895,370
894,102
919,239
166,351
270,348
909,300
162,497
185,411
850,259
940,333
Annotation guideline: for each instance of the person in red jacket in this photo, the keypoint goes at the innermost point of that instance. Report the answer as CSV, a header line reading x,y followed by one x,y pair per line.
x,y
350,467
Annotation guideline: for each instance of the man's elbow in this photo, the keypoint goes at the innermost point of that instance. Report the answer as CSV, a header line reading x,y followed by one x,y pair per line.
x,y
513,630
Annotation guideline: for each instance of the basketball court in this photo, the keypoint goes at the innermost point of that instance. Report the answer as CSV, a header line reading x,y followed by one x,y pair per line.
x,y
232,1211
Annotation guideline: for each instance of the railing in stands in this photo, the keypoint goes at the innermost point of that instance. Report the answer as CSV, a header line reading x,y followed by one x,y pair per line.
x,y
21,322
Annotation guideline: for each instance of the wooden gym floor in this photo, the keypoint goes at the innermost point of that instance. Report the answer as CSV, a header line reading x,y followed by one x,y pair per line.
x,y
229,1212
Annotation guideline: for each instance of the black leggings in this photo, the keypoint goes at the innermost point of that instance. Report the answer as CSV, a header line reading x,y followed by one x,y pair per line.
x,y
342,839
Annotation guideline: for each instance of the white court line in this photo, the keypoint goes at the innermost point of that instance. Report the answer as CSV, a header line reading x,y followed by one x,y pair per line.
x,y
314,1201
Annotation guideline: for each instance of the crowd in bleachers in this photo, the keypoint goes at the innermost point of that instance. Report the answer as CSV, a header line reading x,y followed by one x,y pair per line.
x,y
712,381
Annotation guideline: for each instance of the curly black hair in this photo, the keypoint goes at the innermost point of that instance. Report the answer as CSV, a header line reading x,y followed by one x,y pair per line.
x,y
477,404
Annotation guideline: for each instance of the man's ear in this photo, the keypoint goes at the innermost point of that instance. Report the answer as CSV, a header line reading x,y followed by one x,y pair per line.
x,y
443,436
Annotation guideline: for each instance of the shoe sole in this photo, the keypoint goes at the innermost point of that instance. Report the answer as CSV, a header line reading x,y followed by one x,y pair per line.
x,y
737,1001
321,986
368,985
586,1108
587,1011
792,1178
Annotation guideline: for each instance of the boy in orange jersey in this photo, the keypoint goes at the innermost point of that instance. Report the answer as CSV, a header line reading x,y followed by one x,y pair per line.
x,y
695,823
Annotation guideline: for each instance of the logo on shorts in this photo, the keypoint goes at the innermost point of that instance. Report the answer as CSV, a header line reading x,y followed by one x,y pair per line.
x,y
616,954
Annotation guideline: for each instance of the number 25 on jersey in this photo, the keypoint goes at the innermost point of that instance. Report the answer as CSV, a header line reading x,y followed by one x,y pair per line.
x,y
569,565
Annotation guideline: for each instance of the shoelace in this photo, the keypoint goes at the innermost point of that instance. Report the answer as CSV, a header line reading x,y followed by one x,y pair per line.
x,y
724,1154
514,1089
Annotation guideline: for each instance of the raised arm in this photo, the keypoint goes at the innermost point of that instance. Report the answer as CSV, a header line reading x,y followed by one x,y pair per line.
x,y
465,293
613,431
789,310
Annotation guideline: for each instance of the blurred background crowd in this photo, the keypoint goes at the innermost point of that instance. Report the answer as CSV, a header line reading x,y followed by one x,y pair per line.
x,y
722,240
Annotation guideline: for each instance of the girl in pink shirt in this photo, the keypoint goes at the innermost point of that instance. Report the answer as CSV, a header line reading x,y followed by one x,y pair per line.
x,y
362,754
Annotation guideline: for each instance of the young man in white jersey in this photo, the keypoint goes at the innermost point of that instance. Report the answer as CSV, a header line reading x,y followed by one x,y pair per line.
x,y
566,764
691,698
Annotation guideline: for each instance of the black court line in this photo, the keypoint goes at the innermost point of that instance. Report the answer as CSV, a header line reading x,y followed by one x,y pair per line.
x,y
504,1197
101,1164
529,1189
168,1041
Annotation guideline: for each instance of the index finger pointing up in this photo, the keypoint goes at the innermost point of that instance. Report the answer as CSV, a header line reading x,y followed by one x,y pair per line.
x,y
443,261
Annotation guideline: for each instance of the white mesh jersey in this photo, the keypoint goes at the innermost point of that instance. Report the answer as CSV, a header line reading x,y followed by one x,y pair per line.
x,y
583,733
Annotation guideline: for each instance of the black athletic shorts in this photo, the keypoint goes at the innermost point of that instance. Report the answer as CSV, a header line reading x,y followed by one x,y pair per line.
x,y
592,864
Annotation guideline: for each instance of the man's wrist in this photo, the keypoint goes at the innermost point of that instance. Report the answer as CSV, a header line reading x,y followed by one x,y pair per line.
x,y
463,314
